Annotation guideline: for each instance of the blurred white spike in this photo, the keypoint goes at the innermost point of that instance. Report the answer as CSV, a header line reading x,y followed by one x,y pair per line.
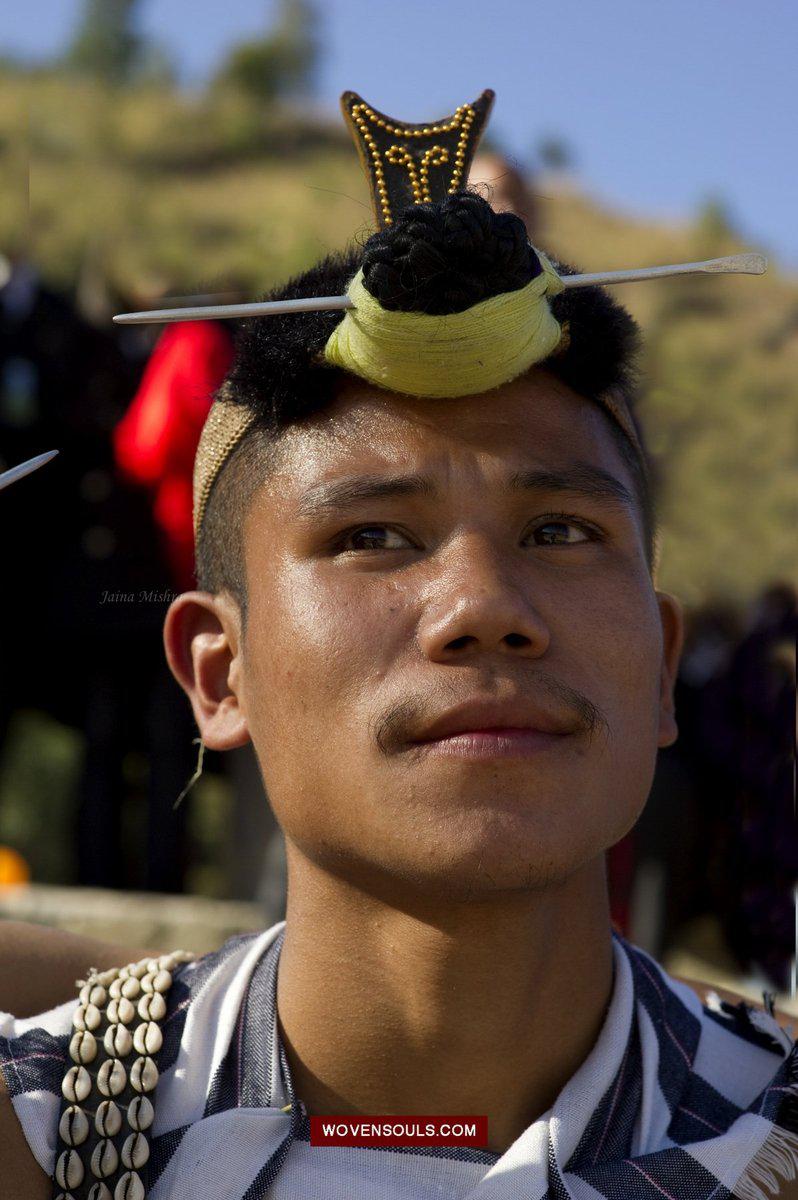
x,y
19,472
262,308
735,264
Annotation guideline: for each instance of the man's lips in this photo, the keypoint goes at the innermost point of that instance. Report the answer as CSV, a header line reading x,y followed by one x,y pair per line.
x,y
489,729
490,743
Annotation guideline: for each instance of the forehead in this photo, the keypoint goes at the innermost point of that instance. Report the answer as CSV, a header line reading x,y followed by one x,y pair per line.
x,y
535,420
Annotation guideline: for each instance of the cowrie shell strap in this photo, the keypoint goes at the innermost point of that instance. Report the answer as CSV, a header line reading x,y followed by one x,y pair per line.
x,y
109,1086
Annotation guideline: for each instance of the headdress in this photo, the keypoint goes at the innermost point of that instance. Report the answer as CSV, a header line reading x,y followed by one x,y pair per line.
x,y
454,350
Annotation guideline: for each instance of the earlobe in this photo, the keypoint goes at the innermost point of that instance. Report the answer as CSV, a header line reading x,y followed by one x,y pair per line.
x,y
672,622
202,643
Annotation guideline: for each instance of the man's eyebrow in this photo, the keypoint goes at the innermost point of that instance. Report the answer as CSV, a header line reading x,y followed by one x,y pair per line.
x,y
343,493
582,479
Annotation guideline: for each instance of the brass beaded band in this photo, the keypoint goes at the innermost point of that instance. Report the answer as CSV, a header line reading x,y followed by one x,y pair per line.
x,y
223,430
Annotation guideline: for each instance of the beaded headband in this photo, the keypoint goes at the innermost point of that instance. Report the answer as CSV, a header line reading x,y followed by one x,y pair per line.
x,y
454,354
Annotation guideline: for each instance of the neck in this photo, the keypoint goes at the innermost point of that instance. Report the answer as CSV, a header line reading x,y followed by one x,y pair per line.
x,y
483,1008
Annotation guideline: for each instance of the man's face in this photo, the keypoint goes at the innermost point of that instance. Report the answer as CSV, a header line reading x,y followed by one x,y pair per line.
x,y
455,669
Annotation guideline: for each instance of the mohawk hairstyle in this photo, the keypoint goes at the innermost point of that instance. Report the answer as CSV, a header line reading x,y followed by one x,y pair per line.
x,y
440,257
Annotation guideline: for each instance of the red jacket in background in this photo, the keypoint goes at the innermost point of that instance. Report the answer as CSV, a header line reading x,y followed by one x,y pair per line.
x,y
156,440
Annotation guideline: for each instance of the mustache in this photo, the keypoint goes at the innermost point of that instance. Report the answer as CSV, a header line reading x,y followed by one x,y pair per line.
x,y
392,729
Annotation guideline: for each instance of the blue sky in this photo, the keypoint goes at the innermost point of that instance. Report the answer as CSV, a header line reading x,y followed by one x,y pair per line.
x,y
663,104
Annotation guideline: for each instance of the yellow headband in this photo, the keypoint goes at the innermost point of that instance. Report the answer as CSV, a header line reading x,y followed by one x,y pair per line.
x,y
456,354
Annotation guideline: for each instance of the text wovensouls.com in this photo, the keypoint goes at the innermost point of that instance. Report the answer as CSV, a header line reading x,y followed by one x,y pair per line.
x,y
399,1131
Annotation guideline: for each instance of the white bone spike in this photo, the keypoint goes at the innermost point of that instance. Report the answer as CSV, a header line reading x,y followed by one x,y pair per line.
x,y
264,308
19,472
735,264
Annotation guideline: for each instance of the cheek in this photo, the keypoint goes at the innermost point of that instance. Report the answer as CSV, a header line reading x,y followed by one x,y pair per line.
x,y
319,640
613,630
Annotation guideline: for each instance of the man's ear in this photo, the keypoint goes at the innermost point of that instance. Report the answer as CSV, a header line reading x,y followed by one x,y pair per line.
x,y
672,621
202,638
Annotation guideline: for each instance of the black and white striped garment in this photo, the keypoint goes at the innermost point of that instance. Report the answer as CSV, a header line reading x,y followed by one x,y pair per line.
x,y
675,1100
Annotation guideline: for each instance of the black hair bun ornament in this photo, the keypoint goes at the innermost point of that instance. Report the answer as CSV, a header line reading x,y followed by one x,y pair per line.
x,y
448,256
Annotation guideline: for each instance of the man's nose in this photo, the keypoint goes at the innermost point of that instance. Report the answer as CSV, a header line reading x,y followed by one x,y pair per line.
x,y
480,603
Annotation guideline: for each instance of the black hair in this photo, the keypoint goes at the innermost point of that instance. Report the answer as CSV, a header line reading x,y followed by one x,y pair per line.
x,y
436,258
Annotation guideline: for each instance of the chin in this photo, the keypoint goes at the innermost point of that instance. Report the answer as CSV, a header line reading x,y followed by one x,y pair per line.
x,y
494,846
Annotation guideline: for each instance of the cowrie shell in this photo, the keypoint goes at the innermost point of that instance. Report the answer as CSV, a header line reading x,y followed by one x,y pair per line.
x,y
73,1126
121,1011
87,1016
129,1187
131,988
157,981
69,1169
148,1038
111,1077
117,1041
144,1075
108,1119
162,981
140,1113
99,1191
152,1007
135,1151
104,1159
76,1086
83,1047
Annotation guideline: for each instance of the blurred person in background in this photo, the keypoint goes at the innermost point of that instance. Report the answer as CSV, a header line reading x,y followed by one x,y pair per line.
x,y
87,645
505,187
675,836
718,835
62,383
751,741
156,440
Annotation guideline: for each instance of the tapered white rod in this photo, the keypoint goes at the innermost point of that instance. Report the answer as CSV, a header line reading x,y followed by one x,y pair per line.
x,y
262,308
735,264
25,468
739,264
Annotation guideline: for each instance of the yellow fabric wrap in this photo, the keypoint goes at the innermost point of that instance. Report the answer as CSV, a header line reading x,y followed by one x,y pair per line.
x,y
456,354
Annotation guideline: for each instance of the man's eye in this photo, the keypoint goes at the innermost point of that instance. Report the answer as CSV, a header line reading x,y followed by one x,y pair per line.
x,y
375,537
560,533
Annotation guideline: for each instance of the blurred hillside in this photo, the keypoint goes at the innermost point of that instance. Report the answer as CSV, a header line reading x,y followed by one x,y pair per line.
x,y
146,191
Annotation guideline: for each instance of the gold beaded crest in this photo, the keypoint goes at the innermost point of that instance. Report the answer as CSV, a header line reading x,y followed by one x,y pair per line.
x,y
411,164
